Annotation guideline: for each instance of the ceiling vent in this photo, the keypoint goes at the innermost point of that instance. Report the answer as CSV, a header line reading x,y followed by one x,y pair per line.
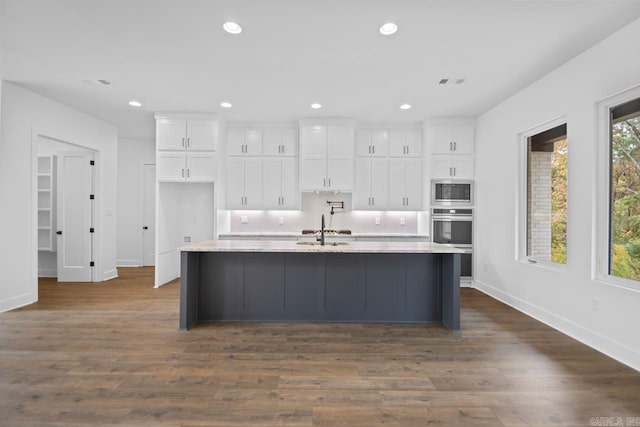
x,y
451,81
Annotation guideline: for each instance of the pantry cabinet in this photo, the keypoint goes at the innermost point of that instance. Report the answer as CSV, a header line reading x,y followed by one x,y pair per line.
x,y
371,190
280,142
405,142
186,167
280,190
244,183
372,142
244,142
453,139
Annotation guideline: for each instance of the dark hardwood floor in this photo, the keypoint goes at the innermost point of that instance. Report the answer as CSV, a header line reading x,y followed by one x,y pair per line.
x,y
110,354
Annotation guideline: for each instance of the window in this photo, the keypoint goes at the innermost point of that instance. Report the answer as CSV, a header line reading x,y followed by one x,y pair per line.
x,y
545,237
624,190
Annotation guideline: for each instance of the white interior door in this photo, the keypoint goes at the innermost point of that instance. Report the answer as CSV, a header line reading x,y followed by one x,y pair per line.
x,y
148,214
74,216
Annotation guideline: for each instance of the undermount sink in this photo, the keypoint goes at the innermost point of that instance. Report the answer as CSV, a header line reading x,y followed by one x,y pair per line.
x,y
326,244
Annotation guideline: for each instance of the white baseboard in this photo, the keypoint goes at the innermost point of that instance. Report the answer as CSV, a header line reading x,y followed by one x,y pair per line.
x,y
17,302
108,275
614,349
47,272
128,263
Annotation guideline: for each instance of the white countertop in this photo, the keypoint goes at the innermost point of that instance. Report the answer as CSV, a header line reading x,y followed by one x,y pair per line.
x,y
266,234
289,246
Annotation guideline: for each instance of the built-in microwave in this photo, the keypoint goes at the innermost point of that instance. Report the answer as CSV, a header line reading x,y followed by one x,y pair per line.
x,y
451,193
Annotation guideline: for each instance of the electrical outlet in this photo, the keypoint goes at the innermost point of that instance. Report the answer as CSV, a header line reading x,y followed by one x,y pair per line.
x,y
403,221
244,219
377,221
187,239
281,220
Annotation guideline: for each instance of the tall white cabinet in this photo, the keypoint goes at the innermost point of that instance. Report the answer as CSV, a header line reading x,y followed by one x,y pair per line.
x,y
326,156
186,145
452,148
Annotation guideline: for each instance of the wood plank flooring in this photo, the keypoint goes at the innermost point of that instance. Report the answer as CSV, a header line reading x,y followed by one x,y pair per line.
x,y
110,354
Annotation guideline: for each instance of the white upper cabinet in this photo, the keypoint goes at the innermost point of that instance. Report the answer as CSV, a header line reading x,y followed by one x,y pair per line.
x,y
326,158
280,142
372,142
405,183
180,134
371,187
405,143
244,183
453,139
244,142
279,183
454,167
175,166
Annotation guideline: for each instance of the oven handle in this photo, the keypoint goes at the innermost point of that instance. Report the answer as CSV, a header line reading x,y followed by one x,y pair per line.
x,y
452,218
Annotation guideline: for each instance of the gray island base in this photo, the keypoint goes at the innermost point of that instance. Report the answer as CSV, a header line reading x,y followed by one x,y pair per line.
x,y
282,281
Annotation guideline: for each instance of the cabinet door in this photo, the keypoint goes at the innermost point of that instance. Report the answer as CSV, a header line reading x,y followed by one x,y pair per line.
x,y
201,167
380,183
462,167
201,135
413,184
362,184
363,143
272,182
379,143
340,150
272,142
290,193
463,137
253,183
441,167
235,142
442,140
414,142
396,184
289,142
313,158
253,142
397,143
171,166
235,183
340,175
172,134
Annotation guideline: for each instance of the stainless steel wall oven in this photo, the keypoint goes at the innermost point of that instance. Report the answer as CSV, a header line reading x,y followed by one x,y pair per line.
x,y
454,227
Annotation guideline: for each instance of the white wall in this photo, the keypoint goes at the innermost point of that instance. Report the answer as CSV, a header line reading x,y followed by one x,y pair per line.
x,y
562,299
25,113
132,154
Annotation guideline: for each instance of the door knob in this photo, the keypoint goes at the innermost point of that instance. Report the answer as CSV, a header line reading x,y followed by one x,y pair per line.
x,y
145,228
59,232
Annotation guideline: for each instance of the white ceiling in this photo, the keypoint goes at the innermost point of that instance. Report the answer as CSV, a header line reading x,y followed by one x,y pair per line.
x,y
173,55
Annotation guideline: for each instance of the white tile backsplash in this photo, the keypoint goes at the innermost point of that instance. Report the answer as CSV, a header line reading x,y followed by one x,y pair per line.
x,y
313,206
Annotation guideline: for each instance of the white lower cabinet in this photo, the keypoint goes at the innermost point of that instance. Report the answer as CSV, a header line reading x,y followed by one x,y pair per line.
x,y
405,183
280,190
244,183
371,184
184,166
459,167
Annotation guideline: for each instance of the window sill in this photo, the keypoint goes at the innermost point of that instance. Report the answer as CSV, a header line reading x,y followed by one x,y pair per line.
x,y
547,265
618,282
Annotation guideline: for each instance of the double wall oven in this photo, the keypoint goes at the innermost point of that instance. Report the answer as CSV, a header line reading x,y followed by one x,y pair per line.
x,y
452,219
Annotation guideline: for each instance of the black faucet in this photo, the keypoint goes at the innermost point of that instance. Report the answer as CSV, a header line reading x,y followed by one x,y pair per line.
x,y
321,238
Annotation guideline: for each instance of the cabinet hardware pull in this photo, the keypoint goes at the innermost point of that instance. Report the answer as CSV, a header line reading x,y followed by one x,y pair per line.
x,y
455,146
329,182
407,149
373,201
183,173
183,142
450,171
188,142
450,146
454,171
324,182
188,173
373,149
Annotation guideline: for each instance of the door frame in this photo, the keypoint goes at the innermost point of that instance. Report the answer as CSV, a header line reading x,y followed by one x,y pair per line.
x,y
95,218
141,166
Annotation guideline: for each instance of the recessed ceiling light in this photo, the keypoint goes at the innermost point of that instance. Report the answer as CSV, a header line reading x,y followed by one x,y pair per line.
x,y
388,29
405,106
315,106
226,105
135,104
232,27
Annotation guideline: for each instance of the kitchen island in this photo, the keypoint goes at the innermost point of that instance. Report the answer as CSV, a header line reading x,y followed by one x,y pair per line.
x,y
245,280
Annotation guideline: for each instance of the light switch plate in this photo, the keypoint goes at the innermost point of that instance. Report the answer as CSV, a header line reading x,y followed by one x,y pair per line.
x,y
187,239
244,219
403,221
377,221
281,220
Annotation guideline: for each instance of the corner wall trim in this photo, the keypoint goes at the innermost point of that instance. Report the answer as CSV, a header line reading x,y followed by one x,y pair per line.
x,y
128,263
17,302
614,349
108,275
